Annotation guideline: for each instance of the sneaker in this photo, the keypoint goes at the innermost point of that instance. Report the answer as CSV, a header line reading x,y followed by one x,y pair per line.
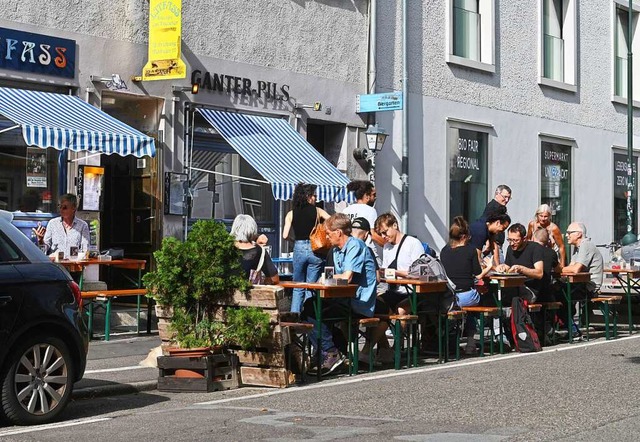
x,y
575,331
389,333
332,361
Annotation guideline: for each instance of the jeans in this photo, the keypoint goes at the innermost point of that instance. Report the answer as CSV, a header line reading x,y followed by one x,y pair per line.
x,y
307,267
469,299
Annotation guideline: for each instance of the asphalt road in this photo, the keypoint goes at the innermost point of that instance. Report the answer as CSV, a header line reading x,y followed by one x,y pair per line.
x,y
584,392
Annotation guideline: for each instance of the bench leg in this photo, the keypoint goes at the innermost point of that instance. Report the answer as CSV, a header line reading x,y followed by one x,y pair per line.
x,y
90,321
482,334
107,321
138,315
397,338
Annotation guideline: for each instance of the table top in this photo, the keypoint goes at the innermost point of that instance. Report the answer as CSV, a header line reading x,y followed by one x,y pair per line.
x,y
634,273
576,277
125,263
326,291
508,281
421,285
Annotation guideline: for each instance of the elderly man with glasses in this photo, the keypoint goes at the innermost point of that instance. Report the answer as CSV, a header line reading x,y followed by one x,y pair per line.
x,y
65,232
498,205
586,258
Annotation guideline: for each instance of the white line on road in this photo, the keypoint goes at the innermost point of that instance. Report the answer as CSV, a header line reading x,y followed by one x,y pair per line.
x,y
52,426
108,370
412,371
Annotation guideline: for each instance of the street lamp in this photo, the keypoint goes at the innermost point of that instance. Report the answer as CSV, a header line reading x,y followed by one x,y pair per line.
x,y
376,137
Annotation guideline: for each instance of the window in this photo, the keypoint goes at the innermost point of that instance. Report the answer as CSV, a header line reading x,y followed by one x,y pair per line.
x,y
620,179
555,181
621,40
471,33
558,56
467,172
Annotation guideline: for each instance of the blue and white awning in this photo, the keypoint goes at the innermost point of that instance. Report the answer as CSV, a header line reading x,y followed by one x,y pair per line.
x,y
66,122
280,154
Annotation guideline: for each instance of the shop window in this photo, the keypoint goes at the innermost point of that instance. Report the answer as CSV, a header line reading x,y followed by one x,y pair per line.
x,y
621,41
28,175
559,44
471,33
620,180
467,173
555,182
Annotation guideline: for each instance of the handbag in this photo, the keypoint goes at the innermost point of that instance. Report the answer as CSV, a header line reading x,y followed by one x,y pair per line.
x,y
256,277
114,253
318,237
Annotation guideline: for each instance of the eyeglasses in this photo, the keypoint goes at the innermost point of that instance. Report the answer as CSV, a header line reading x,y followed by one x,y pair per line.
x,y
63,207
514,240
569,232
505,197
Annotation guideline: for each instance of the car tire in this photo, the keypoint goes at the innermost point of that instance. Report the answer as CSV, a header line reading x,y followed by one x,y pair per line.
x,y
37,381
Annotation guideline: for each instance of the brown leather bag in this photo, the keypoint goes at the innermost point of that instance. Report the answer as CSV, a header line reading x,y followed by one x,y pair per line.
x,y
318,237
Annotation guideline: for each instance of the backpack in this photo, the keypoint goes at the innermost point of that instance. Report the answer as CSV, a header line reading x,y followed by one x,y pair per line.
x,y
524,333
434,272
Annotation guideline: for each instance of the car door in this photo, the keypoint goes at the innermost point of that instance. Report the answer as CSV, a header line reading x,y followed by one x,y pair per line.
x,y
11,286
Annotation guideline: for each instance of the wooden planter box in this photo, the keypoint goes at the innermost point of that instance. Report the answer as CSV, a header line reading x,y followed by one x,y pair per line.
x,y
220,373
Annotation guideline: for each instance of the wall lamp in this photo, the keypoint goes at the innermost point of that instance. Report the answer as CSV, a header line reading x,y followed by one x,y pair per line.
x,y
194,88
376,136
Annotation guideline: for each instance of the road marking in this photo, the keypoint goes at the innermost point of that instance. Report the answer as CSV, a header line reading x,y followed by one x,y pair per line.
x,y
109,370
52,426
413,371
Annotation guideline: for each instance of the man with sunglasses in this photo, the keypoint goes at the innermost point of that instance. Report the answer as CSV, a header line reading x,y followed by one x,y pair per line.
x,y
66,231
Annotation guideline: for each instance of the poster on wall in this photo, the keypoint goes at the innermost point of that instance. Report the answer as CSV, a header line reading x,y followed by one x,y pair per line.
x,y
90,184
175,192
36,167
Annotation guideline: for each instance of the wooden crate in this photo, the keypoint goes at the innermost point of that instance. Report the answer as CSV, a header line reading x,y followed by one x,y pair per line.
x,y
220,373
267,377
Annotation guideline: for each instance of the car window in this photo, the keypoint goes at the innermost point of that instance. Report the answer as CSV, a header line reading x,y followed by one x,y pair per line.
x,y
8,251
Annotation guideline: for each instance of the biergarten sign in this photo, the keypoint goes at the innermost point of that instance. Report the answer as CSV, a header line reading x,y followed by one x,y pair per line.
x,y
37,53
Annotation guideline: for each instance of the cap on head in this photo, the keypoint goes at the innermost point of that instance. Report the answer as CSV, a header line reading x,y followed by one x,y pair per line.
x,y
360,223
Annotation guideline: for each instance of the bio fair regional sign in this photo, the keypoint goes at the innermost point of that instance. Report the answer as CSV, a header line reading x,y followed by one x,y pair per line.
x,y
37,53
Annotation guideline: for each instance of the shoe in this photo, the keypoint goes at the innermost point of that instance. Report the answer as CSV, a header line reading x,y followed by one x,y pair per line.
x,y
575,331
505,342
363,358
471,349
388,333
386,356
332,361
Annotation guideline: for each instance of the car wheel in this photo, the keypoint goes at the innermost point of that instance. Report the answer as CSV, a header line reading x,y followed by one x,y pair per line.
x,y
37,383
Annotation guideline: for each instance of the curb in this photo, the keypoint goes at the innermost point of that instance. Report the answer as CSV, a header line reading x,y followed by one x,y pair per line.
x,y
114,389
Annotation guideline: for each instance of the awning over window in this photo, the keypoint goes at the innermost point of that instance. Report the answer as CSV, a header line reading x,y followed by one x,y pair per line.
x,y
66,122
279,153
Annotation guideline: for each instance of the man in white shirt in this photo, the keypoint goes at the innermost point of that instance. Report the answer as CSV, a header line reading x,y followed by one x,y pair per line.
x,y
365,194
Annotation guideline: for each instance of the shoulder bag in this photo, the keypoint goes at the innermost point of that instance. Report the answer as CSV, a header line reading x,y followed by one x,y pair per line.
x,y
256,277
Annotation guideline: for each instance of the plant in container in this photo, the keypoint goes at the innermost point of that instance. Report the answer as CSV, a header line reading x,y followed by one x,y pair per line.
x,y
193,277
247,327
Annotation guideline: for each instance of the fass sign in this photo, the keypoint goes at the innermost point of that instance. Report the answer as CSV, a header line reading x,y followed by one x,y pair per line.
x,y
36,53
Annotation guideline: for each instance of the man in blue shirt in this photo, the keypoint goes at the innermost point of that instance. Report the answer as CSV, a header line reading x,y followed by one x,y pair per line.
x,y
353,262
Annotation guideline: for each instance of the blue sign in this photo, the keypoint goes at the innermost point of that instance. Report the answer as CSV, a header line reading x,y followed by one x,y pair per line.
x,y
37,53
389,101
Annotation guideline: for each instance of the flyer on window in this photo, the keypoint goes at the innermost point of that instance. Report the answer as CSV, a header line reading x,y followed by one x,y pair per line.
x,y
36,167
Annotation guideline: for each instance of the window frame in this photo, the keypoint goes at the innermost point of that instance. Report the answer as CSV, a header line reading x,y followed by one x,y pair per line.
x,y
635,47
487,62
570,56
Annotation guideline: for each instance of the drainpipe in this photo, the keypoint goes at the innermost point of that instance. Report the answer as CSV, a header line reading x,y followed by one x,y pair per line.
x,y
404,178
631,177
373,44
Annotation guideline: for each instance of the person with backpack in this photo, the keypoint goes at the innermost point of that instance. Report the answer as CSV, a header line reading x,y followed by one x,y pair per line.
x,y
463,267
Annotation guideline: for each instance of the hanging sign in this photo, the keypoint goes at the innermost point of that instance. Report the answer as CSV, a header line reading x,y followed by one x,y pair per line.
x,y
36,167
389,101
165,40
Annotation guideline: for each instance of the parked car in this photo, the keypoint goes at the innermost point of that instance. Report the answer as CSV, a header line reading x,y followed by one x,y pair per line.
x,y
43,338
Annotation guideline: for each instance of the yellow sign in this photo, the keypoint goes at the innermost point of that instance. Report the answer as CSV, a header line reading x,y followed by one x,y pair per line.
x,y
165,37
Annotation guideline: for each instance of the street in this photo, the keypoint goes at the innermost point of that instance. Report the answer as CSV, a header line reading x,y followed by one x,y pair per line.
x,y
580,392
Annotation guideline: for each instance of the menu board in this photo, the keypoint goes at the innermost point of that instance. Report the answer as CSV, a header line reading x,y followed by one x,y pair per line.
x,y
90,185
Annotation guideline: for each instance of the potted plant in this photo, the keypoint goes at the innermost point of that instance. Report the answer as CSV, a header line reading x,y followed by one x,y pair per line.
x,y
193,277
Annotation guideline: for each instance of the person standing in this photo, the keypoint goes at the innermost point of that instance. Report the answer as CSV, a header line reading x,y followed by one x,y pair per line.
x,y
484,230
543,221
365,194
301,220
65,231
498,205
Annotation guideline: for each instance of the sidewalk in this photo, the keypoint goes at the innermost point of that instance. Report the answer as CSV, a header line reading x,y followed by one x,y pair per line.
x,y
113,367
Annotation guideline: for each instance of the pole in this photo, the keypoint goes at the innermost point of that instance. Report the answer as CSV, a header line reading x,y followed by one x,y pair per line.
x,y
405,124
630,237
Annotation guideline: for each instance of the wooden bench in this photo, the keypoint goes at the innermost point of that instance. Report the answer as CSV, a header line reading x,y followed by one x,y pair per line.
x,y
368,324
410,321
484,312
106,296
453,315
294,329
607,302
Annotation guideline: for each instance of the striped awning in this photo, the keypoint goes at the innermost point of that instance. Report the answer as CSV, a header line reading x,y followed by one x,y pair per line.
x,y
279,153
66,122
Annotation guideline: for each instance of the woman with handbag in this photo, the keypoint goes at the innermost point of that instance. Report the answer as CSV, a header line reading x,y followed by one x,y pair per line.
x,y
256,261
306,221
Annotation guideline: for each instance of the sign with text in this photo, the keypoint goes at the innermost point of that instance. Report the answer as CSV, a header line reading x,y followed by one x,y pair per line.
x,y
467,156
37,53
165,41
36,167
620,180
90,184
390,101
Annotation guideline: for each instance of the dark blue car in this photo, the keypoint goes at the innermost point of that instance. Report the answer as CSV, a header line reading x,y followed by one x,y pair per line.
x,y
43,338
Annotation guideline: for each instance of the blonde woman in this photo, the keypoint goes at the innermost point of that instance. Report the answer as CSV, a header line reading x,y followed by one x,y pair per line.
x,y
542,220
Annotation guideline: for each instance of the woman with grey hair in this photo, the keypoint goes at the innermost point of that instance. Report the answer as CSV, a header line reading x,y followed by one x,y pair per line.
x,y
542,220
254,257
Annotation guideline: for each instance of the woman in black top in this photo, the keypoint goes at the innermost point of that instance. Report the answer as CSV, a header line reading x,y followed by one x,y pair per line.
x,y
307,265
245,231
460,261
